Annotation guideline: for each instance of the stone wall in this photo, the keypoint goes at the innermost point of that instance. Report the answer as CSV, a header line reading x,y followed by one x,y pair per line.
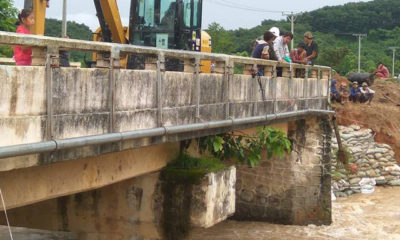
x,y
368,160
294,189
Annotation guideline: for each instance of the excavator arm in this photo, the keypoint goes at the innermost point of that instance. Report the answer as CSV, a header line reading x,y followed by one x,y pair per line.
x,y
110,21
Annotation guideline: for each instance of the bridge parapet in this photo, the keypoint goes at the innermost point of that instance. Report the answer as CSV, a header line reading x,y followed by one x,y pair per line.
x,y
54,109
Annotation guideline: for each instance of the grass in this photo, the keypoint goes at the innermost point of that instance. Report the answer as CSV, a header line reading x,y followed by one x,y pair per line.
x,y
188,168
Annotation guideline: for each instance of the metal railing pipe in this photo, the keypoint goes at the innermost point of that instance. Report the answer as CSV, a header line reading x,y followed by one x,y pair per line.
x,y
60,144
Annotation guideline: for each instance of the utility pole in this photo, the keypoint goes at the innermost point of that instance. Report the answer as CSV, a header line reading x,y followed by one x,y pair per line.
x,y
394,58
359,35
64,20
292,18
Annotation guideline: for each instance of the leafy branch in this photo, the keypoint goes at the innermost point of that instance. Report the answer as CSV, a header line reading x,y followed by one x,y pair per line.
x,y
246,148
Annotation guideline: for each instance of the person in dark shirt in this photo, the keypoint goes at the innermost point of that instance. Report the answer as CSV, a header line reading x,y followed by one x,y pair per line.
x,y
311,48
355,93
265,48
335,95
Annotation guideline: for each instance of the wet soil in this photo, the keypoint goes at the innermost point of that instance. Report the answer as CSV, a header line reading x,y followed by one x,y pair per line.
x,y
383,116
372,217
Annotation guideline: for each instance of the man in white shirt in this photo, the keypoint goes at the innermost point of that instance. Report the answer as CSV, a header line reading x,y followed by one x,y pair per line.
x,y
367,94
281,47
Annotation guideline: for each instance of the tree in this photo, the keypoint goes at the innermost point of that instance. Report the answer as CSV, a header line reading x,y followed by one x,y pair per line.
x,y
8,15
222,40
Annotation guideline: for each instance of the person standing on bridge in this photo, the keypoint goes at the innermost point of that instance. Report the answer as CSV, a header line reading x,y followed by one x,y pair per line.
x,y
281,47
311,48
23,54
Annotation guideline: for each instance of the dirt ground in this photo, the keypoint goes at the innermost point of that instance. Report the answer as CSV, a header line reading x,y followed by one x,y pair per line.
x,y
383,116
360,216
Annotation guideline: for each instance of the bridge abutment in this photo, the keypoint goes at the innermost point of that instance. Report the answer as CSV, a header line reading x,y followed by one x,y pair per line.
x,y
294,189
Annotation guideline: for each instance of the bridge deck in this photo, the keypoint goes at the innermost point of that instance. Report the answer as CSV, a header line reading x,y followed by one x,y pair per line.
x,y
50,104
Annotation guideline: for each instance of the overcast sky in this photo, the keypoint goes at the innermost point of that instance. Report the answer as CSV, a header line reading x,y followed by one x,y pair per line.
x,y
83,11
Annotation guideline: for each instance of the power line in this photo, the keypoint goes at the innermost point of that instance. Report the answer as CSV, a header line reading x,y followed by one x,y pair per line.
x,y
240,6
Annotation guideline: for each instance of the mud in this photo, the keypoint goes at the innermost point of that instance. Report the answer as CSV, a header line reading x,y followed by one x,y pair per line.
x,y
383,116
371,217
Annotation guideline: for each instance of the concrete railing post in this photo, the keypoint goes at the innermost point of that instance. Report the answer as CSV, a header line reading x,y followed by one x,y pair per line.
x,y
219,67
319,85
150,63
52,61
38,56
286,71
305,87
228,78
247,69
196,79
314,73
275,88
160,80
188,66
112,64
268,71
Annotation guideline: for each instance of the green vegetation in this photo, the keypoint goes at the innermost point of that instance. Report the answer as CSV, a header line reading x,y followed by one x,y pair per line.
x,y
8,18
247,149
74,31
191,169
332,27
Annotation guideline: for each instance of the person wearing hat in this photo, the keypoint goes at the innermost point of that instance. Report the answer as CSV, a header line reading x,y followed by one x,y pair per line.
x,y
311,48
367,94
355,93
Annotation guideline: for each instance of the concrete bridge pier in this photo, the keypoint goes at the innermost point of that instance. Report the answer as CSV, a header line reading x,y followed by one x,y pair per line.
x,y
124,210
295,189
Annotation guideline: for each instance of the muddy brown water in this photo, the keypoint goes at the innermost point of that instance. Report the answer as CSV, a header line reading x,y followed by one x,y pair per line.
x,y
375,216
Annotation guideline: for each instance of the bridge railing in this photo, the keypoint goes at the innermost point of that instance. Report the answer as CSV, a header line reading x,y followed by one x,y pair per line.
x,y
50,103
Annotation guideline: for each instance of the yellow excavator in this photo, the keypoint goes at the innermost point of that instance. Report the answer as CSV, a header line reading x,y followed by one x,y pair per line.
x,y
168,24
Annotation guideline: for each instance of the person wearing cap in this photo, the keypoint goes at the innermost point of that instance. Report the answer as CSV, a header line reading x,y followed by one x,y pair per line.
x,y
367,94
281,46
311,48
355,93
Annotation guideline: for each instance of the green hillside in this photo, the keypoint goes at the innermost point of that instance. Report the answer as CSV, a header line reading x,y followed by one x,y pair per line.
x,y
333,27
74,31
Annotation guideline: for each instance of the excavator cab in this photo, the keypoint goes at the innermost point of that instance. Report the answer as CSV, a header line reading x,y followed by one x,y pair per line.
x,y
169,24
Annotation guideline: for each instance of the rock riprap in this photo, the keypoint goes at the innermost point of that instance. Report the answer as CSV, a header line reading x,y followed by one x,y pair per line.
x,y
368,160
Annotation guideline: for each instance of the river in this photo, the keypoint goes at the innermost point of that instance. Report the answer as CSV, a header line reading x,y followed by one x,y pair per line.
x,y
373,217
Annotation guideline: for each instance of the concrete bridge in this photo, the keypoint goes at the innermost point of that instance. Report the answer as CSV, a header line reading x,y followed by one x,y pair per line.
x,y
66,131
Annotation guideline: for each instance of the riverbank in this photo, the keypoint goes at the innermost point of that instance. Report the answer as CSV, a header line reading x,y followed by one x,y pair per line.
x,y
360,216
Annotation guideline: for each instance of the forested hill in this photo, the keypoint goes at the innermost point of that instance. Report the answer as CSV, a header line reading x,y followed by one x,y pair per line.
x,y
74,30
333,28
354,17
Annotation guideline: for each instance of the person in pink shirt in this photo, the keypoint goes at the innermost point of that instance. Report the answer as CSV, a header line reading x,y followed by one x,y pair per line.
x,y
381,71
23,54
